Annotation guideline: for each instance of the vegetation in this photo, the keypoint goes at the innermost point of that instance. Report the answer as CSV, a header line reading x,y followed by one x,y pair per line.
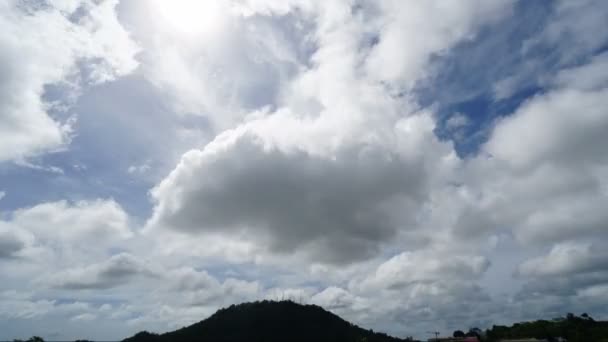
x,y
287,321
269,322
573,328
31,339
458,334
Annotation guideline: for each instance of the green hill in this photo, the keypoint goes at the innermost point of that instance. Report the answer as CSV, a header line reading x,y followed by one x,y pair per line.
x,y
572,328
269,321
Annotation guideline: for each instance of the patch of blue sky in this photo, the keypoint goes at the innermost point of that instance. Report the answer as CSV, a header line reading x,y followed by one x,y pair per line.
x,y
119,150
504,65
465,79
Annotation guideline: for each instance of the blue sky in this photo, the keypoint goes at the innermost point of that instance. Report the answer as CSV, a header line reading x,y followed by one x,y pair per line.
x,y
393,162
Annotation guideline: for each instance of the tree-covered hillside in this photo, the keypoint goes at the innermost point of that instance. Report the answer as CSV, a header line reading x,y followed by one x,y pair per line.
x,y
573,328
270,322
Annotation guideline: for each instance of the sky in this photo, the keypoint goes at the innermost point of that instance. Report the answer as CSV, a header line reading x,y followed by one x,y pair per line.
x,y
412,166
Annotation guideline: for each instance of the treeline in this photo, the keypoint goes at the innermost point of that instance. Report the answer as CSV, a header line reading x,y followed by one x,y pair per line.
x,y
572,328
288,321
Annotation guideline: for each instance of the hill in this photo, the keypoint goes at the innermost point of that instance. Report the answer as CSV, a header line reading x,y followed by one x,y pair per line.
x,y
571,328
269,321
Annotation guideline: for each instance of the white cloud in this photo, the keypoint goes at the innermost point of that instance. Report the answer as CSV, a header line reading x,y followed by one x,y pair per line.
x,y
326,179
138,169
407,39
18,305
340,168
592,75
84,317
335,299
14,241
457,121
416,267
99,220
573,270
597,293
562,126
570,33
116,271
541,175
229,65
60,235
31,61
341,207
188,279
573,29
21,304
565,260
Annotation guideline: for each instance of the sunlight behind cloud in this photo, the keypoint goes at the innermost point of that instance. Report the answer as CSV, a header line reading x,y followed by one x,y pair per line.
x,y
190,16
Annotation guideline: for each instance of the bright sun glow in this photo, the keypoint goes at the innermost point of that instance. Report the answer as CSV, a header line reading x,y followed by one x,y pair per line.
x,y
190,16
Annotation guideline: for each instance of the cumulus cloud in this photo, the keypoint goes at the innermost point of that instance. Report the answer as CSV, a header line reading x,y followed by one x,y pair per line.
x,y
573,29
248,53
342,167
224,65
566,259
457,121
190,279
573,269
198,288
22,304
15,305
334,298
61,235
541,175
410,268
592,75
13,241
325,180
102,220
407,40
116,271
546,129
30,34
570,33
342,207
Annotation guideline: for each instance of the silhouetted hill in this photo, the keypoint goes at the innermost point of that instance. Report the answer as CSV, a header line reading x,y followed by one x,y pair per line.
x,y
268,321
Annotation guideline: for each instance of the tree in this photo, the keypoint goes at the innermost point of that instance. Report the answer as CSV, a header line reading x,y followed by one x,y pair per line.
x,y
458,333
35,339
474,332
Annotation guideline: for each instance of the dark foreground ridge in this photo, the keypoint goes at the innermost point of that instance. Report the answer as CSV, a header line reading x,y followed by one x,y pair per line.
x,y
269,321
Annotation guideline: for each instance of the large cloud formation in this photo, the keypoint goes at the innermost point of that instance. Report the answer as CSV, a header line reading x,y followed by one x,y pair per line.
x,y
347,166
324,173
343,206
48,44
343,165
